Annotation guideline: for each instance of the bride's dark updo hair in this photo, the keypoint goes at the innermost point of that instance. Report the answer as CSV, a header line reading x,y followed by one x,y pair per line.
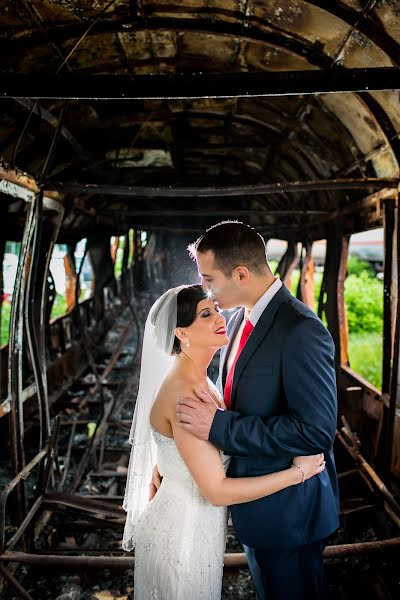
x,y
187,301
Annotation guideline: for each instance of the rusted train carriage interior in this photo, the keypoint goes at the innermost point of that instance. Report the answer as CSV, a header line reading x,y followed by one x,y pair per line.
x,y
126,129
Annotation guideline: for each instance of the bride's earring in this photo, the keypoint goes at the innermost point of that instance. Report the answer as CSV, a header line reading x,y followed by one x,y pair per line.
x,y
187,343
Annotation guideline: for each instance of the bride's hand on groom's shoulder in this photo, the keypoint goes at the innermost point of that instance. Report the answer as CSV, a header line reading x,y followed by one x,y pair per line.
x,y
196,413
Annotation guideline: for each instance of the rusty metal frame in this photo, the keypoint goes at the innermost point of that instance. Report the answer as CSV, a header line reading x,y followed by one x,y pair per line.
x,y
106,410
157,191
15,583
351,445
394,386
53,501
288,263
20,477
16,349
305,289
235,560
331,300
245,28
78,504
390,285
47,455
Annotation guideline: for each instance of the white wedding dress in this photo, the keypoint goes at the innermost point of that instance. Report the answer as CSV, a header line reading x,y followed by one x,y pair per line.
x,y
180,536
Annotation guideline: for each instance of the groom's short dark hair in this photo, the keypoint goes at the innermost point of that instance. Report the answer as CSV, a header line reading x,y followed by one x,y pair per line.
x,y
233,243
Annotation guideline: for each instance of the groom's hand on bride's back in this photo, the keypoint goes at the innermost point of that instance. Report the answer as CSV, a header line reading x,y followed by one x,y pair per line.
x,y
155,482
196,414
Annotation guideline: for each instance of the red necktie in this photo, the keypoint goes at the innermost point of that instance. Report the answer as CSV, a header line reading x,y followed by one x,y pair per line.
x,y
248,328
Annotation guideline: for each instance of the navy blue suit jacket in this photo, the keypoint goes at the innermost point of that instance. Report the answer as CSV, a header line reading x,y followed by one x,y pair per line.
x,y
283,404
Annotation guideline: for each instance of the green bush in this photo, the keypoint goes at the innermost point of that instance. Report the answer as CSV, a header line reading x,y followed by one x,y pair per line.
x,y
364,301
355,266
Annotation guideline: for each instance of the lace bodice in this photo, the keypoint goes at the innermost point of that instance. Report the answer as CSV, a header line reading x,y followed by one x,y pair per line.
x,y
171,465
180,536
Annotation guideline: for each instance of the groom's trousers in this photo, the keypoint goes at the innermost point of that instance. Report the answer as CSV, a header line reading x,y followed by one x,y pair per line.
x,y
295,574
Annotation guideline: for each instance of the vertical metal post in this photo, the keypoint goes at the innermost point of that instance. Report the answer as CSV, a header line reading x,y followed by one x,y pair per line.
x,y
392,453
124,272
15,363
33,321
331,300
55,227
2,251
305,289
288,263
390,290
70,278
342,313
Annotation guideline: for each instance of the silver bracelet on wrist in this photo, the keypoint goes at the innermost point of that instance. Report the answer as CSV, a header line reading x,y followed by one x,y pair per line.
x,y
302,472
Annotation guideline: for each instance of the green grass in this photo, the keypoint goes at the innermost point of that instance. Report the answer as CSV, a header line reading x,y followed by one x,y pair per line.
x,y
365,356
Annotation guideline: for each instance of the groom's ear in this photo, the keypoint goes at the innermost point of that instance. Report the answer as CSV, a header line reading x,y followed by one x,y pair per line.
x,y
243,275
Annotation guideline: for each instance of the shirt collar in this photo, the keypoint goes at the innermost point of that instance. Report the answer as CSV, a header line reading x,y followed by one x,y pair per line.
x,y
263,302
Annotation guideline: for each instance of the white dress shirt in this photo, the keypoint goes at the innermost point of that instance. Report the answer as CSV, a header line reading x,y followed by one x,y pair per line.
x,y
253,317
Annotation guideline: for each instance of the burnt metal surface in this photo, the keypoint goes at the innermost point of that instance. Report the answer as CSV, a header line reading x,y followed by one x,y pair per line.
x,y
227,109
241,140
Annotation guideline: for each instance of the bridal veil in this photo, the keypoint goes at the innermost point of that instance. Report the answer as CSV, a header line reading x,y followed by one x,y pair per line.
x,y
158,340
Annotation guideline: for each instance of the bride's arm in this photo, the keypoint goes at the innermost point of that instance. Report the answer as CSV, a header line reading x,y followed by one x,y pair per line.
x,y
204,463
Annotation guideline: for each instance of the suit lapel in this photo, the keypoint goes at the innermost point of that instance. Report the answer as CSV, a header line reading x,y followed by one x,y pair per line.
x,y
233,327
260,331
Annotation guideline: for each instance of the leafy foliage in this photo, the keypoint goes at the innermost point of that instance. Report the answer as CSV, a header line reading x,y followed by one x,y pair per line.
x,y
364,301
355,266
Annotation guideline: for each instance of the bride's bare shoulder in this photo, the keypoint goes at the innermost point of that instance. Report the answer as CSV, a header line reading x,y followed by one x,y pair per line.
x,y
163,412
173,387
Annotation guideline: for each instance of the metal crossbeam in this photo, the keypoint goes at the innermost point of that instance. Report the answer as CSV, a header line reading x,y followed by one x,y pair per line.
x,y
231,85
103,189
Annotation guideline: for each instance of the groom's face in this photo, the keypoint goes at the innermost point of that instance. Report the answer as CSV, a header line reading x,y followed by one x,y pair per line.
x,y
224,289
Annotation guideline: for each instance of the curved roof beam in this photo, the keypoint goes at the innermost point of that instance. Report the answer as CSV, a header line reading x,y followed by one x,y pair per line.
x,y
245,28
362,23
298,46
62,33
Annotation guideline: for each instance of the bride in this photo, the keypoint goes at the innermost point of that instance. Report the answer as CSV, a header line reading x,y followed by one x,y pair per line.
x,y
179,536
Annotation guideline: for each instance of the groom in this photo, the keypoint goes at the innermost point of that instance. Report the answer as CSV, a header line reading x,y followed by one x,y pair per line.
x,y
277,376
